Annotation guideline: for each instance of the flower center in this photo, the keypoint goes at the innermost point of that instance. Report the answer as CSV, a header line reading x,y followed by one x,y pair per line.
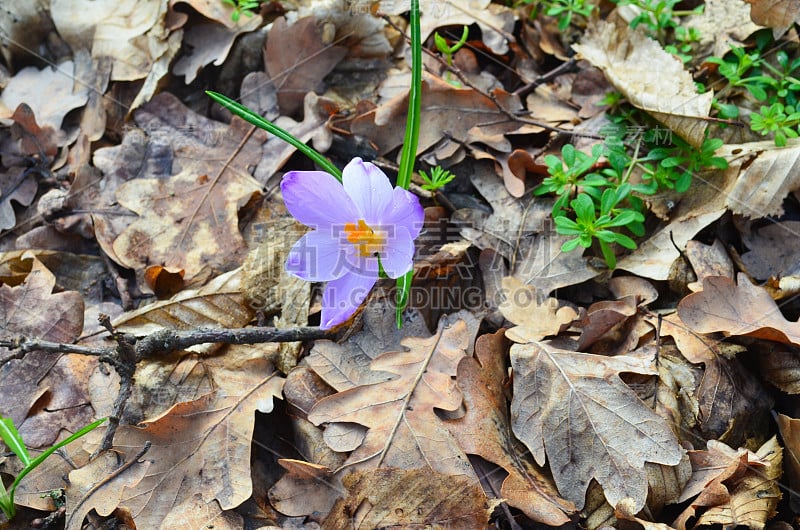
x,y
364,238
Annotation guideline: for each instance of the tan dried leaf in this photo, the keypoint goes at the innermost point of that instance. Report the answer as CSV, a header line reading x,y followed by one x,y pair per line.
x,y
190,220
297,59
306,488
781,367
776,14
33,310
649,77
219,303
485,430
573,409
397,410
402,498
790,434
536,316
737,309
765,175
736,487
197,446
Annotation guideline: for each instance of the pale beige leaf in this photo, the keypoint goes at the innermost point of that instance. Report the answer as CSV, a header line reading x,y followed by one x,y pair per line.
x,y
573,409
131,32
766,174
649,77
536,316
402,429
99,485
219,303
51,93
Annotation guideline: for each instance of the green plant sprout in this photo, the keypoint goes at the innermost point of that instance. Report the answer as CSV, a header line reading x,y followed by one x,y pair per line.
x,y
410,140
449,51
658,16
242,6
565,10
775,120
587,226
438,178
12,439
773,82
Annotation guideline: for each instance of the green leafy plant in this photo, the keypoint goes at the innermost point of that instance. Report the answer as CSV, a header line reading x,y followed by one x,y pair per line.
x,y
564,10
438,178
448,51
736,67
247,7
685,40
12,439
659,17
588,226
569,174
778,120
682,161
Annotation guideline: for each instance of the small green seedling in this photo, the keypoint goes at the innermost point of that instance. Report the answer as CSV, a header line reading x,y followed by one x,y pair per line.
x,y
12,439
438,178
778,120
242,6
449,51
587,226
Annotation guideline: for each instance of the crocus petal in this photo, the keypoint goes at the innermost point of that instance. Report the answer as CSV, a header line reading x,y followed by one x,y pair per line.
x,y
316,257
398,256
405,210
369,188
316,199
343,296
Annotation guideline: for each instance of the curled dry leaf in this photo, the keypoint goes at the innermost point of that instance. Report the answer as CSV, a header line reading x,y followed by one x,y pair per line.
x,y
485,430
649,77
790,434
737,309
776,14
536,316
736,488
573,409
765,174
197,446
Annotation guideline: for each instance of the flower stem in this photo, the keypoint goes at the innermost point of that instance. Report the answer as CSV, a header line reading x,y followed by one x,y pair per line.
x,y
411,138
251,117
410,141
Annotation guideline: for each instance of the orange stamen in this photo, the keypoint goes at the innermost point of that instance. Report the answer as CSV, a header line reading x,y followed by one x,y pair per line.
x,y
365,239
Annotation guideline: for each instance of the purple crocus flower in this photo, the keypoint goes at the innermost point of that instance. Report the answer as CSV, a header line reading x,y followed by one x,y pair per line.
x,y
354,224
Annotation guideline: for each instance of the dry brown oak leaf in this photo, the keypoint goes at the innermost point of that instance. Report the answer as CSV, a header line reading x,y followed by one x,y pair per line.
x,y
485,430
736,488
32,310
197,446
190,220
297,59
574,409
738,309
397,411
